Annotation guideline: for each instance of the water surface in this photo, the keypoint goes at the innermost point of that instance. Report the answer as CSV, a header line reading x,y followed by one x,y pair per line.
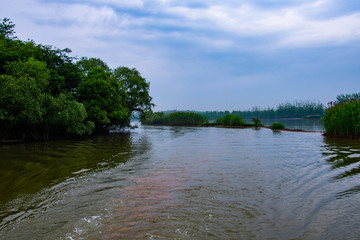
x,y
182,183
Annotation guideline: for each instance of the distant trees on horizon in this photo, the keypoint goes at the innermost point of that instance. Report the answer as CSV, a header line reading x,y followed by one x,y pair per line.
x,y
298,109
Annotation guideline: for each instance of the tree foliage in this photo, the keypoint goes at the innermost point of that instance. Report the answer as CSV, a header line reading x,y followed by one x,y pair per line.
x,y
7,28
136,89
104,100
45,94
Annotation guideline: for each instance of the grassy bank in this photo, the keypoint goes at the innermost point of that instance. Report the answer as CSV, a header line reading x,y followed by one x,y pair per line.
x,y
342,117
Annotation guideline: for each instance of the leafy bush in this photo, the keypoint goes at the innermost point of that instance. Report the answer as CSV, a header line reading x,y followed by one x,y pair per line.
x,y
277,125
342,118
219,121
230,120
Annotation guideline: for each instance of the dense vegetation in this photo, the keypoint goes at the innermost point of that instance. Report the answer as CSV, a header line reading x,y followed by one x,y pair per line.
x,y
173,119
342,117
299,109
45,93
193,119
230,120
277,126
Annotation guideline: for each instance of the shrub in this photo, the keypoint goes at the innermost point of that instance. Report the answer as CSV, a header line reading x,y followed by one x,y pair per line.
x,y
230,120
342,118
174,119
277,125
256,121
219,121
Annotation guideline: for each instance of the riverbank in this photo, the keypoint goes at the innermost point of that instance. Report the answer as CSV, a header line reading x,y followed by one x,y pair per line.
x,y
237,127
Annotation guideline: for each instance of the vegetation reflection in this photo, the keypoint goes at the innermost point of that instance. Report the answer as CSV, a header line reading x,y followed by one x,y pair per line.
x,y
344,157
27,168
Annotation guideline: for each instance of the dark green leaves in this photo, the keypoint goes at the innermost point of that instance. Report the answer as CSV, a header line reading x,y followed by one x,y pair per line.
x,y
7,28
136,89
44,94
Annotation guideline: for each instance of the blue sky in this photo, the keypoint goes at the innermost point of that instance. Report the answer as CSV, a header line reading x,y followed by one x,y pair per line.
x,y
206,54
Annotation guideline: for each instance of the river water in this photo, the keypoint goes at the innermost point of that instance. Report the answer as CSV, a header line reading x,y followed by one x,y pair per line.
x,y
182,183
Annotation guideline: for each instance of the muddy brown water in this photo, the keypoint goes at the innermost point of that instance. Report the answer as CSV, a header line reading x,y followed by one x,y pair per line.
x,y
182,183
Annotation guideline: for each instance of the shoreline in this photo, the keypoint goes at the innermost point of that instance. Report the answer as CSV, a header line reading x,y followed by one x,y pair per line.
x,y
239,127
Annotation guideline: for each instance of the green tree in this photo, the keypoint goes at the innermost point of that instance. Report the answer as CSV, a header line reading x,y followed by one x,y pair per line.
x,y
43,93
22,93
7,28
28,110
136,88
86,64
65,75
65,116
104,100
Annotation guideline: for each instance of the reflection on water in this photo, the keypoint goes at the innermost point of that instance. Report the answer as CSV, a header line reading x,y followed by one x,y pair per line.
x,y
344,157
182,183
29,167
39,177
297,123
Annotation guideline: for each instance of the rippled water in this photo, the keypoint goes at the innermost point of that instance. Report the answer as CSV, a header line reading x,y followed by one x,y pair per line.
x,y
182,183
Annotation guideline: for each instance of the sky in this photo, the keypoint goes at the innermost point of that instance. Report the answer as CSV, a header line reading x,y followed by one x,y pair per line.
x,y
206,54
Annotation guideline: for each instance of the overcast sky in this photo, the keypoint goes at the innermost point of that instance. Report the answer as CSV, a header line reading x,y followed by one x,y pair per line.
x,y
206,54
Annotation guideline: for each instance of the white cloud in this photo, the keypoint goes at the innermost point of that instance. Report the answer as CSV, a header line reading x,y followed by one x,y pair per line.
x,y
292,26
172,42
123,3
289,26
335,31
83,14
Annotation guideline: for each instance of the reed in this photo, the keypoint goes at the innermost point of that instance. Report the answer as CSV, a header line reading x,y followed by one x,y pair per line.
x,y
342,118
256,121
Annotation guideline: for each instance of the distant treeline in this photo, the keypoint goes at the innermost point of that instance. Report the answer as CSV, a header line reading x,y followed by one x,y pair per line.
x,y
298,109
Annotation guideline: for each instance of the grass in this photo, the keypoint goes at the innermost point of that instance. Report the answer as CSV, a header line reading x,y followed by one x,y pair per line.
x,y
342,118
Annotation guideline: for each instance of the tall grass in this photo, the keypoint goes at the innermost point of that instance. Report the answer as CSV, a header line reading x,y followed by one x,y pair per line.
x,y
342,118
256,121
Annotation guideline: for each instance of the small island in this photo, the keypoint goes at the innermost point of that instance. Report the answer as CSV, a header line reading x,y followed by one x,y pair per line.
x,y
340,118
182,118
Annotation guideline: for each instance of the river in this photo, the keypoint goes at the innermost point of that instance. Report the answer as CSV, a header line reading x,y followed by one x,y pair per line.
x,y
182,183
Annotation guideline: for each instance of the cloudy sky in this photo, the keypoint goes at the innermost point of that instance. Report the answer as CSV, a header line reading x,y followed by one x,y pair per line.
x,y
207,54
